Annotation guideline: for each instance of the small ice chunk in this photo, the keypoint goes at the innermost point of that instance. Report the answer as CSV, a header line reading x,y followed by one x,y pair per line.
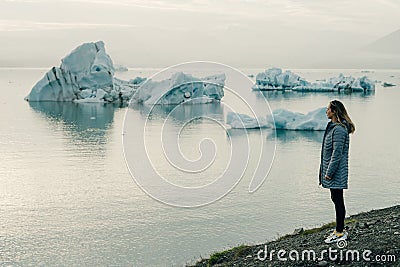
x,y
120,68
315,120
281,119
243,121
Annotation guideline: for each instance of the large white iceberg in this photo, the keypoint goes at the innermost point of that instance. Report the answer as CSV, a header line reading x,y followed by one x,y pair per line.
x,y
85,75
181,88
281,119
275,79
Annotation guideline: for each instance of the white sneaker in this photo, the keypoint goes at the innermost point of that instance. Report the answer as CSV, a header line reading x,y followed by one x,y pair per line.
x,y
335,237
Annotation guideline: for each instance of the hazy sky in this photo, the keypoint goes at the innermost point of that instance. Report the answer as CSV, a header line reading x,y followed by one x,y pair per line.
x,y
151,33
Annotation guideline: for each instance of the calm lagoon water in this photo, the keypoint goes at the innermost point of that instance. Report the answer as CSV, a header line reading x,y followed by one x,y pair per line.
x,y
67,197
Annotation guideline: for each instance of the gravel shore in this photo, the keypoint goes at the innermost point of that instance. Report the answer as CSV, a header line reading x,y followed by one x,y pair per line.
x,y
374,240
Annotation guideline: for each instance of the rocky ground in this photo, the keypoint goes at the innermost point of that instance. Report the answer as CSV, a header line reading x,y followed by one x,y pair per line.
x,y
374,240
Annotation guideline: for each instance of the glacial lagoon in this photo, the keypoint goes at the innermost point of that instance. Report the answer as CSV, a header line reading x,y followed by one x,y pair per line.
x,y
67,197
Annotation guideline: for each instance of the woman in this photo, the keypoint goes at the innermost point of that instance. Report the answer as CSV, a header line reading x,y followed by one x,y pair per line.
x,y
333,172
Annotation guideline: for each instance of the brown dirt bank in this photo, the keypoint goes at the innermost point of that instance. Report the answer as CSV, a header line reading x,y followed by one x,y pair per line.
x,y
374,240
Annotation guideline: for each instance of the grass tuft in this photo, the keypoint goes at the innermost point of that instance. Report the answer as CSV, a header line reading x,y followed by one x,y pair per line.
x,y
220,257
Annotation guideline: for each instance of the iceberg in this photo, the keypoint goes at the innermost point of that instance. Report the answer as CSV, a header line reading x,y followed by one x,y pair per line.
x,y
243,121
275,79
137,81
181,88
85,75
315,120
340,83
281,119
120,68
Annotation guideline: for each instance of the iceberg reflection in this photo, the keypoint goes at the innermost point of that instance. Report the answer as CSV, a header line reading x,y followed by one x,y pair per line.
x,y
181,113
291,136
86,123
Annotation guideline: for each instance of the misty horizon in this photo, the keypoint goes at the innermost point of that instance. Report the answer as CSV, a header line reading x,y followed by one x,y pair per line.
x,y
251,34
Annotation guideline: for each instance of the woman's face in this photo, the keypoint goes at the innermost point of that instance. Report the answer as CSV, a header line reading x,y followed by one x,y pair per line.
x,y
329,112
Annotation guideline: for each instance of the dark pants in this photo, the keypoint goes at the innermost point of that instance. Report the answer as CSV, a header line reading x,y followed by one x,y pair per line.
x,y
337,198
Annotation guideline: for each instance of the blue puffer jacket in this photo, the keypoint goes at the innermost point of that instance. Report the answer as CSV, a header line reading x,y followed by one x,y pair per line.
x,y
335,156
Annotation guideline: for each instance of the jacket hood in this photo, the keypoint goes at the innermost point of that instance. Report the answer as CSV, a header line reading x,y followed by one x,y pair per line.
x,y
346,124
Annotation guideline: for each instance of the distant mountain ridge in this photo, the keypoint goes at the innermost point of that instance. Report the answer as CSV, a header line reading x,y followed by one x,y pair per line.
x,y
389,44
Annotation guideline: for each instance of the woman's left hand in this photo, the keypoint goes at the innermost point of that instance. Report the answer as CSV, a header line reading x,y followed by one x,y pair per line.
x,y
327,177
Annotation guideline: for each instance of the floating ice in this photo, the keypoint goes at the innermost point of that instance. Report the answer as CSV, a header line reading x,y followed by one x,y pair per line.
x,y
243,121
92,96
181,88
85,75
386,84
281,119
336,84
138,80
315,120
120,68
275,79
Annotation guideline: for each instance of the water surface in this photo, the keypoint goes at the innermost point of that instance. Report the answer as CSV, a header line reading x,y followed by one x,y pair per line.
x,y
67,198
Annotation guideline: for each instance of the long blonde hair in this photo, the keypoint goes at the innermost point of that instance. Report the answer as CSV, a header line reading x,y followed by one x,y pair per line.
x,y
341,114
